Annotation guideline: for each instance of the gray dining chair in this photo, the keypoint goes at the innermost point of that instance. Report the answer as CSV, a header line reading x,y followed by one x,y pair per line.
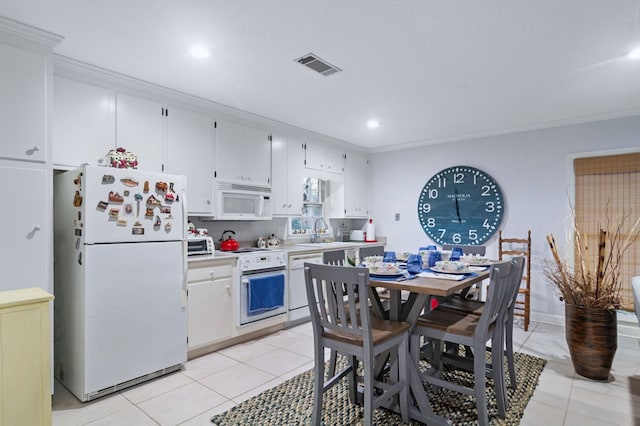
x,y
476,306
452,326
370,251
334,257
339,325
467,249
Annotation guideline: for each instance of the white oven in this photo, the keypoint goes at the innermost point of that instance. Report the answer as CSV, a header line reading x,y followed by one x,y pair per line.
x,y
263,285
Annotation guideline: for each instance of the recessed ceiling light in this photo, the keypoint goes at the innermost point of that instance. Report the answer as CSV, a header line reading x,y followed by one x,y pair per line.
x,y
199,52
372,124
634,54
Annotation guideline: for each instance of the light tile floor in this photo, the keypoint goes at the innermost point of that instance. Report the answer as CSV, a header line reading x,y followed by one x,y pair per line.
x,y
216,382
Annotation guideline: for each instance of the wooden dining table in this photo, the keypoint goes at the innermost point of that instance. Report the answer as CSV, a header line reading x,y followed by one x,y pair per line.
x,y
419,290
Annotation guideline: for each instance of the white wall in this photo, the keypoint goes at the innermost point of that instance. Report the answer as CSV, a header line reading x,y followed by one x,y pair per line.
x,y
533,168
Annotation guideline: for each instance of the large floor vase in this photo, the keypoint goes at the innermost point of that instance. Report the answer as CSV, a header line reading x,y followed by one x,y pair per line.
x,y
592,337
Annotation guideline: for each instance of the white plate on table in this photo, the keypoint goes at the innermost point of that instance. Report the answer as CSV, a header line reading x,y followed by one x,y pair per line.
x,y
442,271
476,268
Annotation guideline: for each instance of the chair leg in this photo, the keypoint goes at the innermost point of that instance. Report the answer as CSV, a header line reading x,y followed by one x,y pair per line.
x,y
479,366
353,383
509,352
404,377
316,416
368,389
497,364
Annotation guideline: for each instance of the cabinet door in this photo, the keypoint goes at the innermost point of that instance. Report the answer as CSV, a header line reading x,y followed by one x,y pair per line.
x,y
334,161
22,104
295,178
314,155
356,186
139,130
209,312
287,175
25,242
82,132
279,174
242,154
190,153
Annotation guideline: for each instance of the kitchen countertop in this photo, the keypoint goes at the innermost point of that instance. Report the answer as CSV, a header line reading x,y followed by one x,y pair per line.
x,y
291,249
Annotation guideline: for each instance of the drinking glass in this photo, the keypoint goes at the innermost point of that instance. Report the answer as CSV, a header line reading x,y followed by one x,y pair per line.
x,y
414,264
456,252
434,256
389,257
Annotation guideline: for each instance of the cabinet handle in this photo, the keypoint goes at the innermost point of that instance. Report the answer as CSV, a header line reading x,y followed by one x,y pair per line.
x,y
208,201
37,228
211,274
33,150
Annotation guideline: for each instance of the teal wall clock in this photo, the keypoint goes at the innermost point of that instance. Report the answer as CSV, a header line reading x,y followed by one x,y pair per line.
x,y
460,205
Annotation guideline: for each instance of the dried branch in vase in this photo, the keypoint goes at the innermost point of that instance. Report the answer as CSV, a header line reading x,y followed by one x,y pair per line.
x,y
593,280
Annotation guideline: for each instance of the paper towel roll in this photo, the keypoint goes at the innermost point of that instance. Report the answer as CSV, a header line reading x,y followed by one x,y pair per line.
x,y
370,231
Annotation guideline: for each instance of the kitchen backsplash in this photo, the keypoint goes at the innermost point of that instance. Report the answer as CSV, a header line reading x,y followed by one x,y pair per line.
x,y
250,231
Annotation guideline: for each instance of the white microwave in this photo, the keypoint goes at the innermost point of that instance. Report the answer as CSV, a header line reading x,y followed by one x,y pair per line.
x,y
242,202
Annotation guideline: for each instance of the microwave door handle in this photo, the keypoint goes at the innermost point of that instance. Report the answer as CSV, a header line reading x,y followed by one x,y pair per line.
x,y
261,206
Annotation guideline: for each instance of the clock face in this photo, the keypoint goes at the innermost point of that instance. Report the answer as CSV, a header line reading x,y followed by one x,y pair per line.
x,y
460,205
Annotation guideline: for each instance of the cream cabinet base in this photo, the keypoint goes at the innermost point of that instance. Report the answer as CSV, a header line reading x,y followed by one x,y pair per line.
x,y
25,369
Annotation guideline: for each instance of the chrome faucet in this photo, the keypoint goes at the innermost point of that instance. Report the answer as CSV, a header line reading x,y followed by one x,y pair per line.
x,y
315,238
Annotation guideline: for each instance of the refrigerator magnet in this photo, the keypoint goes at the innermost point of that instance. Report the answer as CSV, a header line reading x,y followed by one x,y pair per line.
x,y
149,212
129,181
157,221
126,192
77,199
152,201
114,213
107,179
102,205
167,226
128,208
171,187
161,186
114,197
122,222
137,231
165,209
146,186
169,197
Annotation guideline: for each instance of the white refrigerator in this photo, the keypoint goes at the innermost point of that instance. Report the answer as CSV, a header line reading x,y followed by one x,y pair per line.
x,y
119,278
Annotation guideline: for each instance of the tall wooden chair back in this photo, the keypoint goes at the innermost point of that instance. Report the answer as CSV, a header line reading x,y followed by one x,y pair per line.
x,y
519,247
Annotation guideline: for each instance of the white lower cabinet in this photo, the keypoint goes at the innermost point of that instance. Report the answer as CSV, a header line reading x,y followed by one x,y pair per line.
x,y
209,302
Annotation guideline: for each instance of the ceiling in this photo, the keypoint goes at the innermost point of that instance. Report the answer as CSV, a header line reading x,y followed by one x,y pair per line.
x,y
430,71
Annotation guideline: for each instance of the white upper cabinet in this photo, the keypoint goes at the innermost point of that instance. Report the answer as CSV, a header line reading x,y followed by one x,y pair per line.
x,y
139,130
335,160
320,157
82,128
23,90
356,186
190,153
287,174
242,154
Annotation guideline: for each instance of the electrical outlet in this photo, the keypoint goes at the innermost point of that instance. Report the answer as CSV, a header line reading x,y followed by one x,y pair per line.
x,y
397,215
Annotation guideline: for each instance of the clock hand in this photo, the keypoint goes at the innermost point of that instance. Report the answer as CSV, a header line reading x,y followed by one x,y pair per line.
x,y
457,206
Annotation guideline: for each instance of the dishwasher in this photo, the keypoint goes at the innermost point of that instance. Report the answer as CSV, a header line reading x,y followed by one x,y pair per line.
x,y
298,306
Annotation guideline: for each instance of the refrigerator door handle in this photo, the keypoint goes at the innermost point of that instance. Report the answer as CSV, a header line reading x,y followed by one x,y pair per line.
x,y
185,266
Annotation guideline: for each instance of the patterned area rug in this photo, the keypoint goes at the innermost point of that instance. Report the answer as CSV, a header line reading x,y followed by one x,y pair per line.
x,y
290,403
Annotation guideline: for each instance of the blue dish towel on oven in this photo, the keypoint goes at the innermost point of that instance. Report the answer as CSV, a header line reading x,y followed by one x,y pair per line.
x,y
265,294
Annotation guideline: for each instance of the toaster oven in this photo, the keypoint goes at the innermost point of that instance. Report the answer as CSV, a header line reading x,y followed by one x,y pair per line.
x,y
200,245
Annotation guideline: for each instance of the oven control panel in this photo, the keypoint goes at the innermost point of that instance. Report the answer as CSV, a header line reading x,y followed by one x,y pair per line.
x,y
262,260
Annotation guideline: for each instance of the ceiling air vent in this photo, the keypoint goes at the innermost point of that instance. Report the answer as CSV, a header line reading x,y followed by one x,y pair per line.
x,y
318,65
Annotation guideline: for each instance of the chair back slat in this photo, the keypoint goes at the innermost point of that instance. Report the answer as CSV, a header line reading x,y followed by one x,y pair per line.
x,y
333,291
334,257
